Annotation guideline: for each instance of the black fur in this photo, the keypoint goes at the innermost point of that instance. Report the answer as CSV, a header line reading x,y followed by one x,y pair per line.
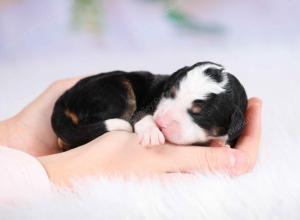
x,y
215,74
101,97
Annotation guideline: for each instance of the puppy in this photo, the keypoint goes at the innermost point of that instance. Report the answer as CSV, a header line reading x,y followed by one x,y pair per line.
x,y
194,105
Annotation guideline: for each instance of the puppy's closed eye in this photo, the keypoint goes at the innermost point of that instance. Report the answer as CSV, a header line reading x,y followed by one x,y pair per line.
x,y
197,107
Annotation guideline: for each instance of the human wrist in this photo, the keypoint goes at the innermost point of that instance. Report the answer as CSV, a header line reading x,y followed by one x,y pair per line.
x,y
61,168
3,133
54,168
14,134
7,132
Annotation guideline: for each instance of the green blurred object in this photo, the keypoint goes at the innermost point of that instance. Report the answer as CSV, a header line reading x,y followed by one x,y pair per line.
x,y
87,15
183,20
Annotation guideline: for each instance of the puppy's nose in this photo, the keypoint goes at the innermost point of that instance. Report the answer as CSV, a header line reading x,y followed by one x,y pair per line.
x,y
162,121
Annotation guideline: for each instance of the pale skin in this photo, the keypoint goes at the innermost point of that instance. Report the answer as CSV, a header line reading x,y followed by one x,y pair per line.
x,y
120,153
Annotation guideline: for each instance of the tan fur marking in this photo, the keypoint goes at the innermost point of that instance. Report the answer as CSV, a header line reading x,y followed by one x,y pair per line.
x,y
74,118
131,101
62,145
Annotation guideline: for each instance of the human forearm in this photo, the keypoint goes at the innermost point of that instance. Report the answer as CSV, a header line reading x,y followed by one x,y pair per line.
x,y
3,133
9,133
63,167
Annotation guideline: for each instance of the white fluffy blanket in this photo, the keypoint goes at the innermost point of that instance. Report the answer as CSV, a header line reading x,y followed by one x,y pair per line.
x,y
270,191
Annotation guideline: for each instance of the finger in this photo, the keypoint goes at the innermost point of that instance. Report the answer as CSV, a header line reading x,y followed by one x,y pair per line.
x,y
217,143
46,100
250,138
202,159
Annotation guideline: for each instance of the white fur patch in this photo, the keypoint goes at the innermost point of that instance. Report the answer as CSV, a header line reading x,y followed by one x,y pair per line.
x,y
198,85
117,124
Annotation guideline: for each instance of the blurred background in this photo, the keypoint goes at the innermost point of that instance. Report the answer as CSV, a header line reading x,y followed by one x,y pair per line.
x,y
45,40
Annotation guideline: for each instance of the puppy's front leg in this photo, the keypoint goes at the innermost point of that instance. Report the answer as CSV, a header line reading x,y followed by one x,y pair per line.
x,y
149,133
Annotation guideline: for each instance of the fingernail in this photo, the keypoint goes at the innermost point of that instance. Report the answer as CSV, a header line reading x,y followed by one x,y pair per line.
x,y
258,102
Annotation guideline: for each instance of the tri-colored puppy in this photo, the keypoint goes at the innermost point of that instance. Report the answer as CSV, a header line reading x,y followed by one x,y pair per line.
x,y
194,105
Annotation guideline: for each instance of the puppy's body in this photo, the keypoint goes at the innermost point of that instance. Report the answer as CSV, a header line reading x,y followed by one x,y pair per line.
x,y
96,104
193,105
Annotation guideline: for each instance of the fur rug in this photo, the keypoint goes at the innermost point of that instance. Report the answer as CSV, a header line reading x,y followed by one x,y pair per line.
x,y
270,191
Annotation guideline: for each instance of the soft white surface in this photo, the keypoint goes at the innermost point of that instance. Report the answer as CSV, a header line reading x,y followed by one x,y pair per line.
x,y
22,177
271,191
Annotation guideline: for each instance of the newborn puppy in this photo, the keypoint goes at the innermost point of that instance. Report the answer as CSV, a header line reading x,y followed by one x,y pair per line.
x,y
194,105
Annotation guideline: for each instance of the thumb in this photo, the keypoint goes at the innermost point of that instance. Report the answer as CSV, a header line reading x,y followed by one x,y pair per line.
x,y
208,159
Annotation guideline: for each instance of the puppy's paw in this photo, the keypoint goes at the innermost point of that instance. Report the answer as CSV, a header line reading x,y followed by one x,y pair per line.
x,y
152,136
149,133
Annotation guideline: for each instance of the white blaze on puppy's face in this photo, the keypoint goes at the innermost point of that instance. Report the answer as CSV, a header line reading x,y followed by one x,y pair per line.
x,y
172,114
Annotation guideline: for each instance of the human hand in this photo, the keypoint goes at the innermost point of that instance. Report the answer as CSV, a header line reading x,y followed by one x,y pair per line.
x,y
119,153
30,130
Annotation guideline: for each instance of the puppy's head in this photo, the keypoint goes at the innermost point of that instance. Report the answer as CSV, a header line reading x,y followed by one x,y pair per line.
x,y
201,103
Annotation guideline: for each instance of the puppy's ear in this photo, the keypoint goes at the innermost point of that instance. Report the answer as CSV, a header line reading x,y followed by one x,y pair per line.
x,y
215,74
174,80
236,127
